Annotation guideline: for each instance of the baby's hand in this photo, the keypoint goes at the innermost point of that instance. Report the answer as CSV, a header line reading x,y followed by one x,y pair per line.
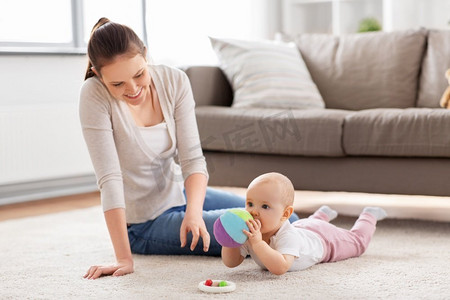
x,y
254,235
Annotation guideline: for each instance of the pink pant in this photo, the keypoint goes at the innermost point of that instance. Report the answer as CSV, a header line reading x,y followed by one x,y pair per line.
x,y
340,243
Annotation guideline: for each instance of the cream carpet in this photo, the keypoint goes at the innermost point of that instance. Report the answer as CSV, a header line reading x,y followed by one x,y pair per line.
x,y
44,257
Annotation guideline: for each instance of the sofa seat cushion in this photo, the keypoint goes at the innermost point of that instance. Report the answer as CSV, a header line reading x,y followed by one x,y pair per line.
x,y
414,132
365,70
314,132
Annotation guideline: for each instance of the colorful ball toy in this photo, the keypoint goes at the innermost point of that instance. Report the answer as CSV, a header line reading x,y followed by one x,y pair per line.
x,y
228,228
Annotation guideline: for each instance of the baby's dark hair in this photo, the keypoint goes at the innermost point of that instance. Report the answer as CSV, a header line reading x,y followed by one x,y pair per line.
x,y
109,40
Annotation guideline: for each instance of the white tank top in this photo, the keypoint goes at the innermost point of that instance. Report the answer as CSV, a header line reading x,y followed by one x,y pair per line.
x,y
156,137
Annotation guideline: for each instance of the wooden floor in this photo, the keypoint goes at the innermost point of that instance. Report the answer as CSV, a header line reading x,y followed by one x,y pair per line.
x,y
397,206
40,207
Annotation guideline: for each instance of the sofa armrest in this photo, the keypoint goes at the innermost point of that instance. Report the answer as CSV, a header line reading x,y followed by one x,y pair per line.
x,y
209,86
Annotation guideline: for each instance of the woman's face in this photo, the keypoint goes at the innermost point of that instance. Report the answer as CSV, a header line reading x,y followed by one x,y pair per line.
x,y
127,79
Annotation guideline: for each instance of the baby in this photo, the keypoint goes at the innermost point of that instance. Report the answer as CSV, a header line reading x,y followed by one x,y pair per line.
x,y
279,246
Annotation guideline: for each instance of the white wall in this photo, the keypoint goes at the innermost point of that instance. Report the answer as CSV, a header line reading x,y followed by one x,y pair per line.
x,y
41,78
40,135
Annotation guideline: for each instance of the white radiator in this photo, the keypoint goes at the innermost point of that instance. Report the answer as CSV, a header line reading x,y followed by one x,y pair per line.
x,y
42,152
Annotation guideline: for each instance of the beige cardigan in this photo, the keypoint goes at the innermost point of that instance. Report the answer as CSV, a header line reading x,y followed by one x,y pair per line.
x,y
129,174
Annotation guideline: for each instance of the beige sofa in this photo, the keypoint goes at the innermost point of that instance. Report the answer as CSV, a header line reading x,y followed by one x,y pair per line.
x,y
381,130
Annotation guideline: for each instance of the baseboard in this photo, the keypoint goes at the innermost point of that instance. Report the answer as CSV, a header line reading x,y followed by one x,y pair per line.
x,y
49,188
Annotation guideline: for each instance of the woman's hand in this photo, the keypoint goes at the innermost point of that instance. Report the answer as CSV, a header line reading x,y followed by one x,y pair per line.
x,y
118,269
196,225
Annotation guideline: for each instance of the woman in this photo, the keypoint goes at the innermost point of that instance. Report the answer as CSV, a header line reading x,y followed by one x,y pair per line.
x,y
136,120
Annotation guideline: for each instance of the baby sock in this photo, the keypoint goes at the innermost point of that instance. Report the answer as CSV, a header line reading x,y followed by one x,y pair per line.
x,y
377,212
332,214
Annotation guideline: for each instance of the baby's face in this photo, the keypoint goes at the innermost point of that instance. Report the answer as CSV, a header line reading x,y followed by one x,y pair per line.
x,y
264,203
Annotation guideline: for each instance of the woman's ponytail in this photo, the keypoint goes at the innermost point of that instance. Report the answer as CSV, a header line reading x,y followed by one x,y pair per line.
x,y
102,21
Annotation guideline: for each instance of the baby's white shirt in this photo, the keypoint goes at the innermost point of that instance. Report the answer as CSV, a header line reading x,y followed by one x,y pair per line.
x,y
304,244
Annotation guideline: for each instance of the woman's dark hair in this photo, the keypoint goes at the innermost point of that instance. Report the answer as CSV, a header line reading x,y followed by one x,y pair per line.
x,y
107,41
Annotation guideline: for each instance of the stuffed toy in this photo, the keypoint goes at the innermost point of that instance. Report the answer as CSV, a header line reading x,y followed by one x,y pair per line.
x,y
445,100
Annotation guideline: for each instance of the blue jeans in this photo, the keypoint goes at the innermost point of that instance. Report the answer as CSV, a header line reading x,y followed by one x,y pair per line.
x,y
162,235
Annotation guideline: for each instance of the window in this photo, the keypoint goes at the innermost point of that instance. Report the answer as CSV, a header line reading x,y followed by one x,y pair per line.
x,y
61,26
128,12
178,30
19,25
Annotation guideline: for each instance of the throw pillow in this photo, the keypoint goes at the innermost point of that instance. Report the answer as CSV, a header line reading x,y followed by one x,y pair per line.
x,y
435,63
365,70
267,74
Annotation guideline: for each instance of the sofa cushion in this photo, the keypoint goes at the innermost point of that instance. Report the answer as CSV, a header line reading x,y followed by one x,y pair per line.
x,y
365,70
420,132
313,132
267,74
437,60
209,86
